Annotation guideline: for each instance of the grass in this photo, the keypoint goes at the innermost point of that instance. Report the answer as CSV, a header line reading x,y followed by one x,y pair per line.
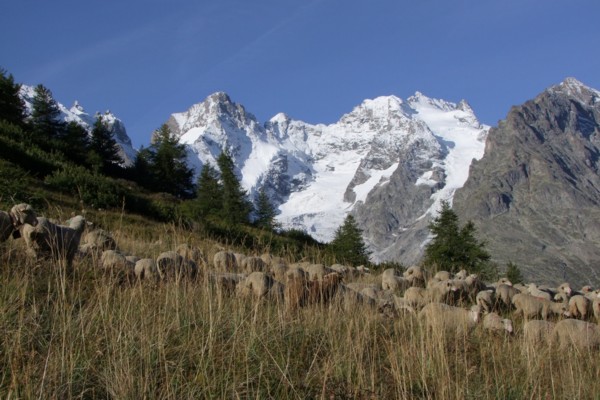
x,y
86,336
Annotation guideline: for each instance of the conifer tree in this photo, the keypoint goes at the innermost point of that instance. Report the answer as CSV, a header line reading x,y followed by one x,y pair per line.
x,y
348,245
264,211
168,164
453,248
104,149
45,118
142,168
75,143
513,273
209,192
236,208
12,107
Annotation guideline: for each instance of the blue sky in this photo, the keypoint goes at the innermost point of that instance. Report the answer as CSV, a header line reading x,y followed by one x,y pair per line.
x,y
314,60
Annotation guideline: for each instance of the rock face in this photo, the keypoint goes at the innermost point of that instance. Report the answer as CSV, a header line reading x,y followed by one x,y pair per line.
x,y
535,195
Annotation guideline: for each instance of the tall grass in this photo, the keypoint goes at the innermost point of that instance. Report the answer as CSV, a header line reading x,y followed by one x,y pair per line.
x,y
87,336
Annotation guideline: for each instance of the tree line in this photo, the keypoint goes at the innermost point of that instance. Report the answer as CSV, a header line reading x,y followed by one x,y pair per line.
x,y
217,193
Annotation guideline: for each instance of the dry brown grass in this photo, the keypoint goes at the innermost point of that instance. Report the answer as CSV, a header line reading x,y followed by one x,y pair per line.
x,y
85,336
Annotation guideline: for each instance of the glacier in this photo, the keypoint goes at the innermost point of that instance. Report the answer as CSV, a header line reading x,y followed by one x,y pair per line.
x,y
316,174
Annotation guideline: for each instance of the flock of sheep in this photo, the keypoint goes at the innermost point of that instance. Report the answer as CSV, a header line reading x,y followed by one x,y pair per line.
x,y
442,302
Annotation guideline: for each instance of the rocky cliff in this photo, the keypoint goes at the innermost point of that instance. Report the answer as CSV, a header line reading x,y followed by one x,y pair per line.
x,y
535,194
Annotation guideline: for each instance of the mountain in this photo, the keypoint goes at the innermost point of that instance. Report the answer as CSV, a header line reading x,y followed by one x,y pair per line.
x,y
389,161
535,194
77,114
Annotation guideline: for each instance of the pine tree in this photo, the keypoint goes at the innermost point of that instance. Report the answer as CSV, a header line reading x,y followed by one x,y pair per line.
x,y
236,208
104,149
142,168
47,127
454,248
12,107
168,164
209,192
264,211
75,143
513,273
348,245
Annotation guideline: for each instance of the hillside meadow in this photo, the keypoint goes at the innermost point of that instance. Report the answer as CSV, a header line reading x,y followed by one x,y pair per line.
x,y
90,335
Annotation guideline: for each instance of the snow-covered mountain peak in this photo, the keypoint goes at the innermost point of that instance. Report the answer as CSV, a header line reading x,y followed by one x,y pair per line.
x,y
317,174
77,114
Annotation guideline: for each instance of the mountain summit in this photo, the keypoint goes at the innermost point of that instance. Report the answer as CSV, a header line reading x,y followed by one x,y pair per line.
x,y
389,161
535,194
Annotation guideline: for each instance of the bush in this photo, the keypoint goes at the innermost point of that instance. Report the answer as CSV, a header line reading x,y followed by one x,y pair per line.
x,y
94,190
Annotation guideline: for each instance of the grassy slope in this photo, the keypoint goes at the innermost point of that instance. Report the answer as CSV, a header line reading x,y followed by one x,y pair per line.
x,y
87,336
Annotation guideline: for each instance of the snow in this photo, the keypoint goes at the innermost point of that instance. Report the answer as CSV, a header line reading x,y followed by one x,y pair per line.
x,y
322,160
458,129
377,177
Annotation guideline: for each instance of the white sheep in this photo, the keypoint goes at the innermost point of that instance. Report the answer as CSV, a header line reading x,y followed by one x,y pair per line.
x,y
225,261
171,265
444,317
145,269
536,332
252,264
256,285
486,299
532,307
580,307
391,280
50,240
97,240
12,221
581,335
493,322
416,275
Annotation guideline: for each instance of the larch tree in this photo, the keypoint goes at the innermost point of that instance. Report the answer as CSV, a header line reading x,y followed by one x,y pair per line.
x,y
12,107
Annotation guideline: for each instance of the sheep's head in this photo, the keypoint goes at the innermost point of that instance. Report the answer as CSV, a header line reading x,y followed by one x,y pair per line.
x,y
22,214
565,288
508,325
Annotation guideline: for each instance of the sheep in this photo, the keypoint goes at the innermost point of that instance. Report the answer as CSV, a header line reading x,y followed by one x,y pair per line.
x,y
256,285
415,275
581,335
225,261
533,290
493,322
49,240
192,253
536,332
173,266
531,307
596,308
462,274
12,221
278,270
444,317
97,240
145,269
252,264
391,281
486,299
300,292
416,296
344,270
565,288
116,264
225,282
505,294
580,307
317,271
442,292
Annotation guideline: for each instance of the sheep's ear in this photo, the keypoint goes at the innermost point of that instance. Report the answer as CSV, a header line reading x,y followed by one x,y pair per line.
x,y
16,234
